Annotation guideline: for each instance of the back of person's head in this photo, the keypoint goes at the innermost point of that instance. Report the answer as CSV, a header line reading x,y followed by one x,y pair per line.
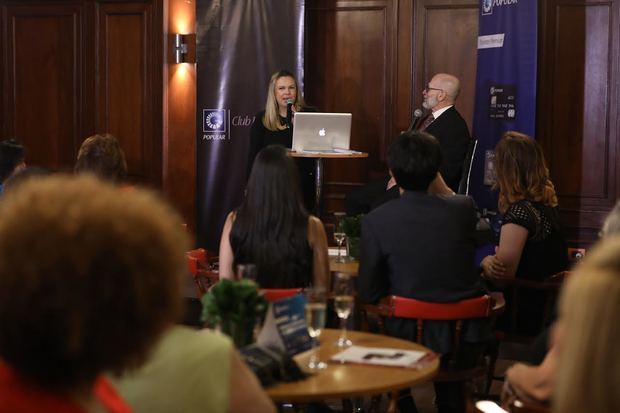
x,y
274,181
589,334
611,226
89,278
271,223
521,171
102,155
12,154
414,159
25,175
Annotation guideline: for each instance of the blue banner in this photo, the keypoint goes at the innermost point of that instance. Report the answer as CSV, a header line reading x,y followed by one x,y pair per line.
x,y
505,84
239,44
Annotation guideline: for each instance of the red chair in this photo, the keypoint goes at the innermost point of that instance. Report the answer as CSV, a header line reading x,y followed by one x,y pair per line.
x,y
201,265
480,307
275,294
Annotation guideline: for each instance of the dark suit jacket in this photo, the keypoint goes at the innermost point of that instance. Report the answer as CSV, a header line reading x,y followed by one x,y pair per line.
x,y
451,131
422,246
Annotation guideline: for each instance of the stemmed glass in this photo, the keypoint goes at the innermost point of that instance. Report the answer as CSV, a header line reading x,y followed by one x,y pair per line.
x,y
316,308
339,235
343,304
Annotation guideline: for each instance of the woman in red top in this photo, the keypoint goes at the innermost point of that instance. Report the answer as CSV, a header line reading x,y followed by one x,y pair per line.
x,y
89,279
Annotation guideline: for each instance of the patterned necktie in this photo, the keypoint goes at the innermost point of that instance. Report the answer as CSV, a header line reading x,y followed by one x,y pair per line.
x,y
427,121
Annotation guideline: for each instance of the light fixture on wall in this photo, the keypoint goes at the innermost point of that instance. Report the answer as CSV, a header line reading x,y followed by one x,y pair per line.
x,y
180,48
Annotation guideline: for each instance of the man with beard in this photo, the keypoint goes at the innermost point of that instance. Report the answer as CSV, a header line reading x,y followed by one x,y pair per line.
x,y
443,122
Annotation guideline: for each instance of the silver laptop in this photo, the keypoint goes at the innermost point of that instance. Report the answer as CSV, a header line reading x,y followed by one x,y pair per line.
x,y
321,132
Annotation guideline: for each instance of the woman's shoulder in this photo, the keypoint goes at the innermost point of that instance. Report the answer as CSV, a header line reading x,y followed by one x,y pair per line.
x,y
314,222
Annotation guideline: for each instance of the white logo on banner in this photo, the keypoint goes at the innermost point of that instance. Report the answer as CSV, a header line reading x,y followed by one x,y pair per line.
x,y
214,124
488,5
491,41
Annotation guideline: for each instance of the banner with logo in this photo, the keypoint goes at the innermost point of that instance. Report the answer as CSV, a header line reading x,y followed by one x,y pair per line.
x,y
505,84
239,44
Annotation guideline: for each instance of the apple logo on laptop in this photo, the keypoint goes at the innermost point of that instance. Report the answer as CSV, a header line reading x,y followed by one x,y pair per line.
x,y
322,132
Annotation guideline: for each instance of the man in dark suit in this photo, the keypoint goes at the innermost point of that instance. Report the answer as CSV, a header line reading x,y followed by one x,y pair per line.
x,y
421,246
443,122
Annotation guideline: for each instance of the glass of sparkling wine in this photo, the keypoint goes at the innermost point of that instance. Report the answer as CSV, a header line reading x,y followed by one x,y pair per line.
x,y
343,304
340,237
316,307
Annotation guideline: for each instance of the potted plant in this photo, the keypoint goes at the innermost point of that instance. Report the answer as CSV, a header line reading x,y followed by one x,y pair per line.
x,y
234,307
352,227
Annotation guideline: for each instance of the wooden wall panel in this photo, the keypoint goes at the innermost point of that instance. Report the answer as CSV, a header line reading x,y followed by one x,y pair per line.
x,y
578,109
125,89
41,90
446,41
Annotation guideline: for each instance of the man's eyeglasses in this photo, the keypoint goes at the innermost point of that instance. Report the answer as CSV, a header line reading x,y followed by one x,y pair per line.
x,y
428,88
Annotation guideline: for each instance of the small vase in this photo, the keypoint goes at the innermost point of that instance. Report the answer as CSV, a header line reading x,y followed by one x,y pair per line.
x,y
241,332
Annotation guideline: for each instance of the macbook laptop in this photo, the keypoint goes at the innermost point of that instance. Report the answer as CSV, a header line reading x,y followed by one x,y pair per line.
x,y
321,132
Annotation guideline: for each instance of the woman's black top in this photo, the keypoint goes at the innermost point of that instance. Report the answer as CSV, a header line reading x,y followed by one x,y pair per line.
x,y
544,254
545,251
260,137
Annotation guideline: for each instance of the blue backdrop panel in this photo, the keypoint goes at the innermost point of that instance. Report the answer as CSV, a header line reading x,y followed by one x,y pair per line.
x,y
505,83
239,44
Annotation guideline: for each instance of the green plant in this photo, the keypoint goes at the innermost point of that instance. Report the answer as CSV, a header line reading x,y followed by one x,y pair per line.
x,y
352,225
235,306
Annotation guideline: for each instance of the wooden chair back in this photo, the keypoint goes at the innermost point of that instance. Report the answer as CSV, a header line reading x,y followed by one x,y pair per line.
x,y
201,265
516,287
275,294
479,307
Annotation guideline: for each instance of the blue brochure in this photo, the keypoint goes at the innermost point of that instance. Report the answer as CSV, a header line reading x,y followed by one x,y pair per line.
x,y
285,326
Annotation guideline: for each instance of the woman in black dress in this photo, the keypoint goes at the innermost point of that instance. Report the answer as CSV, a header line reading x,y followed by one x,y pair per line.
x,y
274,126
531,243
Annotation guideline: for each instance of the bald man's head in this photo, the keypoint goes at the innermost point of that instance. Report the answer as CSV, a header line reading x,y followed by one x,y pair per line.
x,y
441,91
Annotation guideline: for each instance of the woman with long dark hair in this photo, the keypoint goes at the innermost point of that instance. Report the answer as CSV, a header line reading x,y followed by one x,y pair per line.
x,y
272,229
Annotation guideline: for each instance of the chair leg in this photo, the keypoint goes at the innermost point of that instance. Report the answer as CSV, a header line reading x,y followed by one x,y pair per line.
x,y
493,355
393,400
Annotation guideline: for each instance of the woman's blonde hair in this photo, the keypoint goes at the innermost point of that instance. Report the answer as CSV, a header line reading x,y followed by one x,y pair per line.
x,y
522,171
271,120
588,374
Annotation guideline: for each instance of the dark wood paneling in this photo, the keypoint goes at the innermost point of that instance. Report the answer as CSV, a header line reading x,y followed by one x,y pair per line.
x,y
42,79
446,41
126,80
578,109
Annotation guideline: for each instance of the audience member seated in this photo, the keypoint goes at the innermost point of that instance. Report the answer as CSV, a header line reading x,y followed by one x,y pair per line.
x,y
588,334
422,246
12,160
194,371
531,243
88,283
446,124
102,156
536,382
272,229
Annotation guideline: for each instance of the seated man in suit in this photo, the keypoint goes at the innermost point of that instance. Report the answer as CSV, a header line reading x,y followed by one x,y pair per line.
x,y
446,124
421,246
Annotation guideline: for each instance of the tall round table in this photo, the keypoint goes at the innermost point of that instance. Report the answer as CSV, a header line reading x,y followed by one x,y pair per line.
x,y
318,170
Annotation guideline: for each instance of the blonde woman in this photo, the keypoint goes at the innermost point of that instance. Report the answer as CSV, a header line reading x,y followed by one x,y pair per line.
x,y
274,126
588,335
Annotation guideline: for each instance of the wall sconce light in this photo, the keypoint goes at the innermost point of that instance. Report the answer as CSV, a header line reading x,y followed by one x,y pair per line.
x,y
180,48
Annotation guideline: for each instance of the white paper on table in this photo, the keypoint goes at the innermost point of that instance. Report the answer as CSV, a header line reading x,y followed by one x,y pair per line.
x,y
379,356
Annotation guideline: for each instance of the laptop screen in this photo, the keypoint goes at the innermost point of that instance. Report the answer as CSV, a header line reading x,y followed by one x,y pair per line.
x,y
315,131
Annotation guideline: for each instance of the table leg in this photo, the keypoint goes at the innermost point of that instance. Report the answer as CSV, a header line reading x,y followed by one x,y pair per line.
x,y
318,186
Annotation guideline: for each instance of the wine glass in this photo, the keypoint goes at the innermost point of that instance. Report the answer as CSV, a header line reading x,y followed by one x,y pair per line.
x,y
339,235
316,308
343,304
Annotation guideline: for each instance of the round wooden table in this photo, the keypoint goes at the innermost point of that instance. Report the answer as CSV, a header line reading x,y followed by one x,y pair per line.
x,y
342,381
350,267
318,173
